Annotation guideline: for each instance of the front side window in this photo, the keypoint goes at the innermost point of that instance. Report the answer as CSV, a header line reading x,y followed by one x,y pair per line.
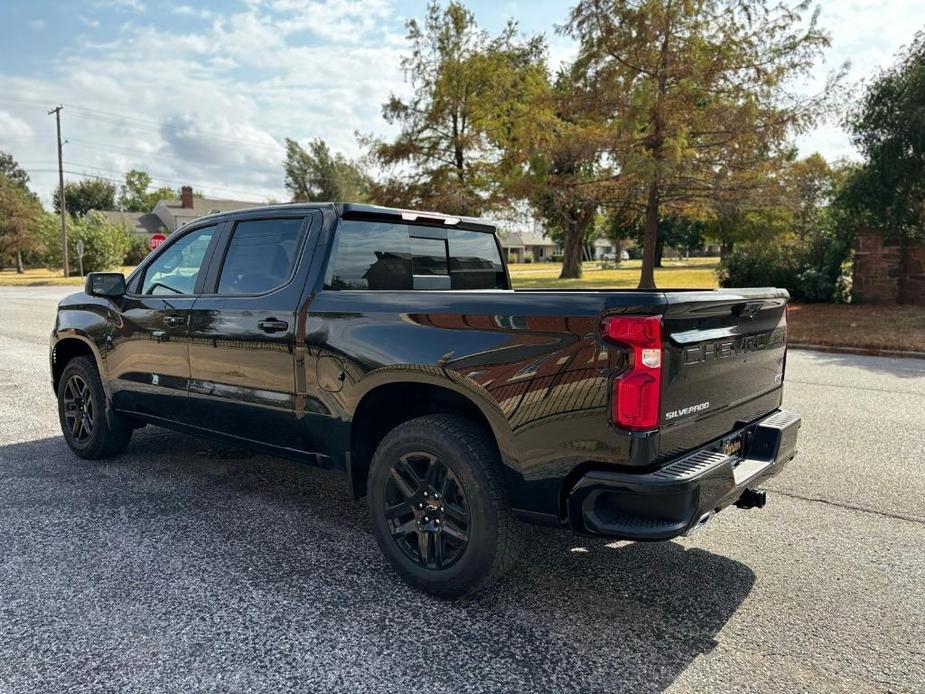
x,y
261,256
175,270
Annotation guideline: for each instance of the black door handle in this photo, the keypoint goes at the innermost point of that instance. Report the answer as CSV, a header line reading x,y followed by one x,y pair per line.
x,y
174,321
271,325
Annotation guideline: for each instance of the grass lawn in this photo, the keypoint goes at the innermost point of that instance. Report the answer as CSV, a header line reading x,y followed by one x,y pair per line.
x,y
843,325
42,277
697,273
858,325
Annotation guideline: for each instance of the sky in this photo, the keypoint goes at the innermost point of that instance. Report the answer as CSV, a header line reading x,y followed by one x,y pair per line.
x,y
204,93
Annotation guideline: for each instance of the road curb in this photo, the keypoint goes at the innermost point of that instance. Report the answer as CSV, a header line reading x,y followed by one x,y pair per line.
x,y
863,351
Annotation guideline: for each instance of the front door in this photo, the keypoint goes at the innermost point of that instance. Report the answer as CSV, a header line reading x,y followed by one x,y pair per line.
x,y
242,359
148,355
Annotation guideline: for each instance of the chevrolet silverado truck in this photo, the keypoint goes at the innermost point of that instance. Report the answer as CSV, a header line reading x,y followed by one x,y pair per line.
x,y
388,344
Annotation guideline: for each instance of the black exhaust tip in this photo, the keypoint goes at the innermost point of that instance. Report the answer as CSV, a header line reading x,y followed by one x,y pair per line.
x,y
752,499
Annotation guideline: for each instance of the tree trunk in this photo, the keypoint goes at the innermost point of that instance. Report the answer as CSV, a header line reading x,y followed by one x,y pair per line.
x,y
20,268
725,248
659,252
571,261
647,277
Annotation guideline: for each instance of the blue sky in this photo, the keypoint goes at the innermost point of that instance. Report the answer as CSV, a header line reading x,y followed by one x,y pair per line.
x,y
204,92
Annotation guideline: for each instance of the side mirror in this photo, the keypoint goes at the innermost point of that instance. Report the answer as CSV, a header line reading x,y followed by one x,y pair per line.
x,y
108,284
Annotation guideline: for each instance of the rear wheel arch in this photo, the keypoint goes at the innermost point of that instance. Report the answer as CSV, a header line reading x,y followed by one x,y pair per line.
x,y
386,406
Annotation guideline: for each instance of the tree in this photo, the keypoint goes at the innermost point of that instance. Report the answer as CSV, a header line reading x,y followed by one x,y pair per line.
x,y
553,162
88,194
11,169
681,231
464,89
695,90
105,243
888,127
134,195
20,214
316,174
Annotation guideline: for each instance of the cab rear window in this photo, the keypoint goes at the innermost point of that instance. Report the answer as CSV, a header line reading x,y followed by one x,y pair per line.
x,y
386,256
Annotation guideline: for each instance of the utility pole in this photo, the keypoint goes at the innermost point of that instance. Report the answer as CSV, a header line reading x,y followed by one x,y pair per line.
x,y
57,112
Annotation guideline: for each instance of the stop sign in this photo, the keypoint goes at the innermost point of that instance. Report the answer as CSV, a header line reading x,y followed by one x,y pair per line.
x,y
156,240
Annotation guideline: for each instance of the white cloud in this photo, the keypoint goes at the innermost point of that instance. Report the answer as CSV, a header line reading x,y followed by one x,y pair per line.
x,y
211,104
208,102
14,128
133,5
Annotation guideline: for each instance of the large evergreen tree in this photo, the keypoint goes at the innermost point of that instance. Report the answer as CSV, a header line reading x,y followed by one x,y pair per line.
x,y
696,93
315,174
465,86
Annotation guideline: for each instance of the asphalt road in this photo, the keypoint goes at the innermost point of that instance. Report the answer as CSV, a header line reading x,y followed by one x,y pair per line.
x,y
179,567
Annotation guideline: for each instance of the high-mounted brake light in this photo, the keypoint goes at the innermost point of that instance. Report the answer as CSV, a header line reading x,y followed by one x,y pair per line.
x,y
636,396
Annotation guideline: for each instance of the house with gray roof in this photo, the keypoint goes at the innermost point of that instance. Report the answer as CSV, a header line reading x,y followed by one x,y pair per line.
x,y
171,214
176,212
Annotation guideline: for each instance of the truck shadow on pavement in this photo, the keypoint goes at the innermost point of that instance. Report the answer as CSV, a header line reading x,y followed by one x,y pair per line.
x,y
181,566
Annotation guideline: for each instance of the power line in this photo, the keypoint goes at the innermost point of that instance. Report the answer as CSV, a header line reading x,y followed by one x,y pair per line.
x,y
134,122
161,178
275,146
86,174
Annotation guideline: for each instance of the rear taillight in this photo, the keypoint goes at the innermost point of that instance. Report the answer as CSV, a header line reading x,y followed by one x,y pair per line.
x,y
637,392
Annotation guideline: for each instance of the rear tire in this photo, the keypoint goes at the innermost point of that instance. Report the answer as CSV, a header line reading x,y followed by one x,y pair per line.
x,y
438,507
90,429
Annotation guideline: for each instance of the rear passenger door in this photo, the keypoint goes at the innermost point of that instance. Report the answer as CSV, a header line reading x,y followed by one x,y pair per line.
x,y
242,359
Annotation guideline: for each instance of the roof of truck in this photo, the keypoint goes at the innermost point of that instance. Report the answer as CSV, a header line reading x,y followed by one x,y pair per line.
x,y
354,210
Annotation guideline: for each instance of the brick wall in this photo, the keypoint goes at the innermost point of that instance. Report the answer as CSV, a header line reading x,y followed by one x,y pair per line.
x,y
912,275
888,272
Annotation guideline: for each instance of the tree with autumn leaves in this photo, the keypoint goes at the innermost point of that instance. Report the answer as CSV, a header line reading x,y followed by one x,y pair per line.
x,y
674,112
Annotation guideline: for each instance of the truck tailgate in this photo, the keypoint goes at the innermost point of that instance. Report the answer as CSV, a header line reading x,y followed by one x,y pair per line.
x,y
724,363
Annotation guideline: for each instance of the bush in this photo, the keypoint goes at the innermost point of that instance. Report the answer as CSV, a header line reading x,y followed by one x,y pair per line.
x,y
105,244
634,252
811,273
137,248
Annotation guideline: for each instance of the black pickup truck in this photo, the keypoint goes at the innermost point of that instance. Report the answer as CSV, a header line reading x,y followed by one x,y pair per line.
x,y
388,344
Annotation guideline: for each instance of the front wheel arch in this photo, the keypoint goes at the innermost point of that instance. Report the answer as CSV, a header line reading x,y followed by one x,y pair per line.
x,y
66,349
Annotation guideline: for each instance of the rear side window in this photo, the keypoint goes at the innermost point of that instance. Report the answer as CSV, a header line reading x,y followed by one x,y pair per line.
x,y
475,261
388,256
260,257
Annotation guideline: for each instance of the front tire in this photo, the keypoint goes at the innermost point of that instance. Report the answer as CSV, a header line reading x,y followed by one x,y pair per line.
x,y
438,508
89,430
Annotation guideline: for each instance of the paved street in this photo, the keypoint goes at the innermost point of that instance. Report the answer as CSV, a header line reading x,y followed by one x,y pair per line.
x,y
181,567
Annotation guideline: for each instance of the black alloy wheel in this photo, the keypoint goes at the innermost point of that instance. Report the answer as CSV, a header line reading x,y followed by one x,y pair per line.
x,y
78,408
91,429
438,506
427,510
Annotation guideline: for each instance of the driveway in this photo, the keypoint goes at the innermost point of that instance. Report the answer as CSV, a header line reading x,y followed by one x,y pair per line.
x,y
181,566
